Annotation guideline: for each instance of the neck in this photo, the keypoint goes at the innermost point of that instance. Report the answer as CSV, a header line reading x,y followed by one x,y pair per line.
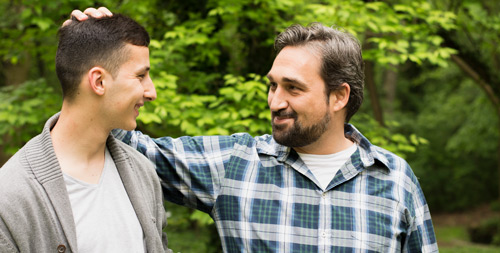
x,y
331,142
79,142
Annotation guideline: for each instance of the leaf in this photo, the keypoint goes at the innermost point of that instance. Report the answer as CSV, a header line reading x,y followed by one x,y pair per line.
x,y
43,23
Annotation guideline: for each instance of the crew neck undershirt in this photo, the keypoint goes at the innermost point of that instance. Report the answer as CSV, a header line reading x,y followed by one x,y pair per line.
x,y
325,167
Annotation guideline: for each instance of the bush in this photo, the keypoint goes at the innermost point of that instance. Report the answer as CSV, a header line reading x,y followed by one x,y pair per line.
x,y
487,232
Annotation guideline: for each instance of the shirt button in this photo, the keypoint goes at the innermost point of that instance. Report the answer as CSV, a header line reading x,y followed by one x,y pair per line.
x,y
323,195
323,234
61,248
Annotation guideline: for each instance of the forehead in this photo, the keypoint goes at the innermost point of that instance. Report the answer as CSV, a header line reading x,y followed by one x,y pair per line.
x,y
136,57
139,53
297,63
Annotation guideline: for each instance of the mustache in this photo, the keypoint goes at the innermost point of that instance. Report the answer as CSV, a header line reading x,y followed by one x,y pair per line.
x,y
285,114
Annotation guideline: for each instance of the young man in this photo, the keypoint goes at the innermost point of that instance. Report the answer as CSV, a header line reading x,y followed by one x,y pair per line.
x,y
74,187
317,184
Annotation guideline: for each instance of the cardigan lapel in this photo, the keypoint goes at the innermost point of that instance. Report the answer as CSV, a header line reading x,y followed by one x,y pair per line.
x,y
128,174
44,165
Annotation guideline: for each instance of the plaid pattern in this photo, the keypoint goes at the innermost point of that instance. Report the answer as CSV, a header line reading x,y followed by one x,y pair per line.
x,y
264,199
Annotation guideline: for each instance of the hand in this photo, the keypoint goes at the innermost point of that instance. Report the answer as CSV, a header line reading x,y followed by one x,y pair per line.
x,y
93,12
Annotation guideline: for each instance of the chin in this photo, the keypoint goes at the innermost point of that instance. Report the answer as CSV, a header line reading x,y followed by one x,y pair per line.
x,y
129,127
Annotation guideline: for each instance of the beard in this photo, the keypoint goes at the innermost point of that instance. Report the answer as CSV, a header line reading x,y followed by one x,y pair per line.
x,y
298,135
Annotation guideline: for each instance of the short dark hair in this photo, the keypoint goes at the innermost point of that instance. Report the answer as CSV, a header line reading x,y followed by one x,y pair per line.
x,y
95,42
341,57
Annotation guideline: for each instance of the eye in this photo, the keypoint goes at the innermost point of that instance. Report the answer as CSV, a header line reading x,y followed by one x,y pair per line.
x,y
141,76
273,85
293,88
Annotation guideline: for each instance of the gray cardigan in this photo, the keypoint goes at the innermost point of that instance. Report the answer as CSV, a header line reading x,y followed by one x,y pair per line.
x,y
35,211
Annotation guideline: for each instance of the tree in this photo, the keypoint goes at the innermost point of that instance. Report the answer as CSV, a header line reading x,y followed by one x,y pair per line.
x,y
478,49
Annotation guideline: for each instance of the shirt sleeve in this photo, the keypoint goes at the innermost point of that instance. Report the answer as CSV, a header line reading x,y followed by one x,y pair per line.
x,y
190,168
421,236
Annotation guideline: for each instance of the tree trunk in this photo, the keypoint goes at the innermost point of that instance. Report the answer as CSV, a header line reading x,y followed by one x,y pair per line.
x,y
390,80
498,151
16,74
372,90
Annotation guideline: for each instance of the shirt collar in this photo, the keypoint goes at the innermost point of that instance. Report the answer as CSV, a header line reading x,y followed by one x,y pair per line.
x,y
368,153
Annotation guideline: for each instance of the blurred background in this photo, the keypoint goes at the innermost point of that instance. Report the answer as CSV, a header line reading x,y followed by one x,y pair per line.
x,y
432,89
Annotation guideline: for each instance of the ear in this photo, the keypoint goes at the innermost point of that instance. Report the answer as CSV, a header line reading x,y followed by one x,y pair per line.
x,y
340,97
96,77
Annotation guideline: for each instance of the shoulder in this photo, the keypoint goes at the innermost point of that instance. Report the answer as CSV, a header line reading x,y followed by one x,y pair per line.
x,y
249,140
134,155
14,172
383,163
397,167
17,185
218,143
263,144
371,154
391,160
402,176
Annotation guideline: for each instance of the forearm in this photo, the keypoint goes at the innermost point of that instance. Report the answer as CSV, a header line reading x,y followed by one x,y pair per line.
x,y
190,175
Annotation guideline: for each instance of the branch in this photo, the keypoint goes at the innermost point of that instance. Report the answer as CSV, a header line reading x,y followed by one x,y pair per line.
x,y
477,78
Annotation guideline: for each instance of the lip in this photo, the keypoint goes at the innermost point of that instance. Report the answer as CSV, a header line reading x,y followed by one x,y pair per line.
x,y
136,108
281,120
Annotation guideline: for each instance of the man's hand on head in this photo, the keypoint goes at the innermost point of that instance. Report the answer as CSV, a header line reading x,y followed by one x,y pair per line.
x,y
93,12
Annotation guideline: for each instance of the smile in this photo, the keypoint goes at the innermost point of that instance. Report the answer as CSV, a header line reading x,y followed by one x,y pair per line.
x,y
136,109
281,120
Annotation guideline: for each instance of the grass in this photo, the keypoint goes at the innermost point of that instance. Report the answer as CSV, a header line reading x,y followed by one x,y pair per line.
x,y
454,239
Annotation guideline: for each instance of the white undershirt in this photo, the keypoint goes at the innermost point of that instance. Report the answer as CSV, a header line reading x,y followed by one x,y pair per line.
x,y
324,167
104,217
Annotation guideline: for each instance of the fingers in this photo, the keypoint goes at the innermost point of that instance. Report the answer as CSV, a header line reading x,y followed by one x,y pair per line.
x,y
67,22
80,16
93,12
98,13
105,11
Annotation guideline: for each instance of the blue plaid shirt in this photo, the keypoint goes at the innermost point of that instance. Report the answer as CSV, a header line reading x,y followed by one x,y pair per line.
x,y
263,198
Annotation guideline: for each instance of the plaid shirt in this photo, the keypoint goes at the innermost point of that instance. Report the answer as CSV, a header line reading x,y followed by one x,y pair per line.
x,y
263,198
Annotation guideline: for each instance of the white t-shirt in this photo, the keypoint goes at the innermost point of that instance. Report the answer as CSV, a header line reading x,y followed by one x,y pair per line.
x,y
324,167
104,217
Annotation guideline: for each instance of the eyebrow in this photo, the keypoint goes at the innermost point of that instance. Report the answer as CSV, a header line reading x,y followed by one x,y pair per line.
x,y
288,80
144,69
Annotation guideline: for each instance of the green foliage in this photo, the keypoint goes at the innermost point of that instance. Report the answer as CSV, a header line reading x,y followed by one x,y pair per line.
x,y
462,144
240,106
397,33
190,230
388,137
480,23
23,112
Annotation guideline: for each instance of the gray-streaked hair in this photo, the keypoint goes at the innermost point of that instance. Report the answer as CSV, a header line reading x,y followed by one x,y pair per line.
x,y
341,57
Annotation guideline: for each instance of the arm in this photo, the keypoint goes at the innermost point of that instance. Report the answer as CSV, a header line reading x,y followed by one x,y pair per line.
x,y
191,168
421,237
6,244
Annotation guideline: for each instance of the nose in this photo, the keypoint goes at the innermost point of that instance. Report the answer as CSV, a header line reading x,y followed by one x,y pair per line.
x,y
277,99
149,90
